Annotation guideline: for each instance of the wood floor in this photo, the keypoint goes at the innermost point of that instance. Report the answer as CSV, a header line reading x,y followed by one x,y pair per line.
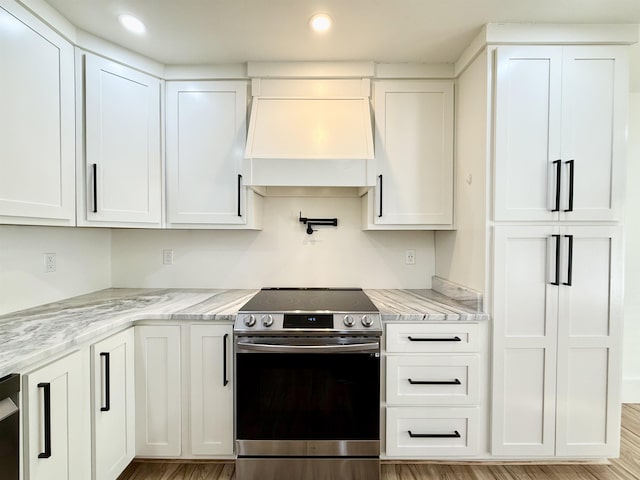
x,y
627,467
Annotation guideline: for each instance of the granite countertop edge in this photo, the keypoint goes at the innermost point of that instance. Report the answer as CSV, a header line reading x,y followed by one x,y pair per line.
x,y
30,336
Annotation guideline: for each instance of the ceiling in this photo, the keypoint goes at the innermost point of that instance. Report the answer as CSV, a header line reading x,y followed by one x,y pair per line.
x,y
229,31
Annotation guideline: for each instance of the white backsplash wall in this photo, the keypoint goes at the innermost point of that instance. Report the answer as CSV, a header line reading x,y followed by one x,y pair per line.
x,y
282,254
83,264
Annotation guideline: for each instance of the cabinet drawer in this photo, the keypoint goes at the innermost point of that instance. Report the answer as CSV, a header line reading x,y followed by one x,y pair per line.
x,y
432,337
432,432
432,379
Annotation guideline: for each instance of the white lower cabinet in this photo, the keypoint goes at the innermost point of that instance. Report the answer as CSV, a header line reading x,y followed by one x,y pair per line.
x,y
432,390
158,391
432,432
211,394
56,420
557,341
113,405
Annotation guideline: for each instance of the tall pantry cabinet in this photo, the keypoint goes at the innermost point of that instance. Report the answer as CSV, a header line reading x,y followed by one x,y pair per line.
x,y
559,116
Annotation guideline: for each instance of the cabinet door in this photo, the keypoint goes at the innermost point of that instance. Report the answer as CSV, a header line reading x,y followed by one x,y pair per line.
x,y
37,157
211,390
594,116
414,153
63,418
206,134
158,391
527,132
113,405
524,341
589,343
122,142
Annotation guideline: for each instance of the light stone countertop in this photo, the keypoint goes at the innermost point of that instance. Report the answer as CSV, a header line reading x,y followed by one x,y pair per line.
x,y
31,336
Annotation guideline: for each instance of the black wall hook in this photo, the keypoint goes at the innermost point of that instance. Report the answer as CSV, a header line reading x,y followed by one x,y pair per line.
x,y
314,222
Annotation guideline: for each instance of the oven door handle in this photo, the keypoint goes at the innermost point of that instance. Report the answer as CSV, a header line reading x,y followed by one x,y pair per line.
x,y
244,347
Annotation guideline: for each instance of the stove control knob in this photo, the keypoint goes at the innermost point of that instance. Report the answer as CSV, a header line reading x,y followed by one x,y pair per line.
x,y
366,321
267,320
250,321
349,321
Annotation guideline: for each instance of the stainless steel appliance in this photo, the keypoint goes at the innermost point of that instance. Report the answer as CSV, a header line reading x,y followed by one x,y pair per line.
x,y
9,427
308,385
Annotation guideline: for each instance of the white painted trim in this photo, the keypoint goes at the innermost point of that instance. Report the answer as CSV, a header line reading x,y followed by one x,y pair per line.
x,y
414,70
222,71
470,53
306,88
561,34
631,390
311,69
48,15
104,48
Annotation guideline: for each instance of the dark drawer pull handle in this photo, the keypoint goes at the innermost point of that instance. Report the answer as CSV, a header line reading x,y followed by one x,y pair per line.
x,y
569,262
556,282
225,379
455,381
107,382
47,420
558,164
571,164
94,167
455,434
428,339
380,211
239,194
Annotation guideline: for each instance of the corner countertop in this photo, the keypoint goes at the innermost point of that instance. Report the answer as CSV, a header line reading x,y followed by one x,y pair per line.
x,y
30,336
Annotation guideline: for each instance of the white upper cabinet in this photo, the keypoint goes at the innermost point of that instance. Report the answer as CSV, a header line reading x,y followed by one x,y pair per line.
x,y
206,134
37,156
414,156
120,184
560,118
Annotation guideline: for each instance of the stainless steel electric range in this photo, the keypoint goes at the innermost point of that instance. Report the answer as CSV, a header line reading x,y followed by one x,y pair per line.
x,y
308,385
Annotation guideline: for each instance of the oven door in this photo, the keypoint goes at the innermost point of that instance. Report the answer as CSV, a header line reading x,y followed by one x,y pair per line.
x,y
308,396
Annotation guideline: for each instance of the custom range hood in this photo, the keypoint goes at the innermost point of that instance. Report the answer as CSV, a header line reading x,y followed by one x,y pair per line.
x,y
310,133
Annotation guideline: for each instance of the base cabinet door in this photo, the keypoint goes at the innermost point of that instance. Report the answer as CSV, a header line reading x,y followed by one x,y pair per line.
x,y
557,341
211,390
113,405
158,391
57,426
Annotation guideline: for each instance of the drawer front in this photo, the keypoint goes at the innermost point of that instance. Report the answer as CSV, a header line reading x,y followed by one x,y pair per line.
x,y
432,432
432,380
432,337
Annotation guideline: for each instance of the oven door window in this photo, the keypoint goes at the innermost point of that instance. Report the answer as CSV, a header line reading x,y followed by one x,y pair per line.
x,y
308,396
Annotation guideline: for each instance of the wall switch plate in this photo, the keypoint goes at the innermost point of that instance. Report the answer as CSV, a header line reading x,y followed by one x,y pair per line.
x,y
49,262
410,257
167,257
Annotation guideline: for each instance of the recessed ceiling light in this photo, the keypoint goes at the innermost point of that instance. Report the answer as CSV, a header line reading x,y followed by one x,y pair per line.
x,y
320,22
132,24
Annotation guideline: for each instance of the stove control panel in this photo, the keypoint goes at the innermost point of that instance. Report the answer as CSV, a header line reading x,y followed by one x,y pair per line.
x,y
307,322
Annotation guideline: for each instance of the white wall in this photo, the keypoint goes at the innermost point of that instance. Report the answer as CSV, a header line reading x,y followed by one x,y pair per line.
x,y
282,254
631,353
83,264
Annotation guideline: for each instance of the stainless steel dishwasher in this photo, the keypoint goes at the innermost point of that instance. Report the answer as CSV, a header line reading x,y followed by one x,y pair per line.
x,y
9,427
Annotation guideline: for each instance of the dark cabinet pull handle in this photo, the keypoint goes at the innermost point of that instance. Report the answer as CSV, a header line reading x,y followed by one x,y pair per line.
x,y
558,164
380,211
95,187
239,196
428,339
569,261
455,434
225,379
47,420
557,280
571,164
107,382
455,381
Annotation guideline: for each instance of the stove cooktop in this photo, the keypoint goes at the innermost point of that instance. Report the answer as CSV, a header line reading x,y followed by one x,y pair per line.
x,y
309,310
341,300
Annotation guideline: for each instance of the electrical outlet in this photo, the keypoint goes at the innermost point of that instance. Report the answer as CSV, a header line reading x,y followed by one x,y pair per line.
x,y
49,262
167,257
410,257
